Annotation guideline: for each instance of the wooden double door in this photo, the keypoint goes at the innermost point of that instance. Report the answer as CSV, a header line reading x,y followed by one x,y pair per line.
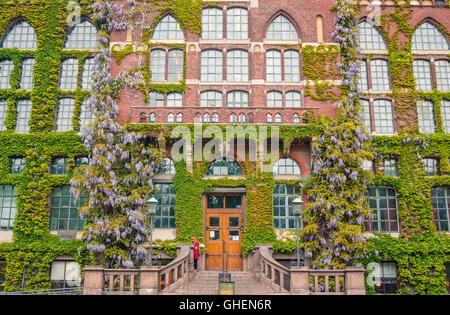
x,y
223,229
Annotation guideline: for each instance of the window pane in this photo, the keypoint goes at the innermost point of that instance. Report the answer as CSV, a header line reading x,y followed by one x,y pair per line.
x,y
291,66
440,200
431,167
168,29
274,99
8,208
237,23
156,99
158,65
237,66
383,117
224,167
82,36
6,68
293,99
69,74
21,35
281,29
23,115
88,70
446,115
26,80
167,167
380,75
365,107
382,201
86,115
17,165
64,210
165,194
273,66
3,110
283,195
286,166
212,23
443,75
422,72
429,37
363,83
176,65
211,99
426,117
370,38
237,99
64,114
174,100
212,66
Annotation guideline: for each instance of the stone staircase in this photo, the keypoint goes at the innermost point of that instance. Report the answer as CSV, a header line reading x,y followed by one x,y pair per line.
x,y
207,283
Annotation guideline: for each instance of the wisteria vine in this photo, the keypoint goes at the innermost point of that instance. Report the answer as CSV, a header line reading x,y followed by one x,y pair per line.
x,y
333,231
118,180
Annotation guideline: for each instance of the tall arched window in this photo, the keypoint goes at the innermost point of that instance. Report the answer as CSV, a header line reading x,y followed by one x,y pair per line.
x,y
273,66
68,78
278,119
224,167
6,68
443,75
426,117
281,29
380,75
215,118
21,35
370,38
286,166
269,118
175,65
428,37
64,114
23,116
168,29
26,79
383,116
291,66
211,99
158,65
81,36
422,73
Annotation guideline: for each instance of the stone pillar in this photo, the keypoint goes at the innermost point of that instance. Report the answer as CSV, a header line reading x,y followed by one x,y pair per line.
x,y
354,281
299,280
93,280
149,280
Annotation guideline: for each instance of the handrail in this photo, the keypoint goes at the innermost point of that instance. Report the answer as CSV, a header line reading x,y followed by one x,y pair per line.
x,y
274,272
172,275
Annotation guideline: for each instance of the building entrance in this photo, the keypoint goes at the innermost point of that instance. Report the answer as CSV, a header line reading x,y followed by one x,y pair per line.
x,y
223,229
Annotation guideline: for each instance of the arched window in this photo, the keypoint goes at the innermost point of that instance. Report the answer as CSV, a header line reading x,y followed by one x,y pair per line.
x,y
278,119
166,167
211,66
168,29
237,23
171,118
281,29
242,118
82,36
293,99
152,118
370,38
440,201
23,116
237,65
296,119
211,99
269,118
283,212
422,72
383,202
237,99
21,35
64,114
155,99
179,118
212,23
206,118
286,166
215,118
174,99
224,167
233,118
426,117
6,68
428,37
274,99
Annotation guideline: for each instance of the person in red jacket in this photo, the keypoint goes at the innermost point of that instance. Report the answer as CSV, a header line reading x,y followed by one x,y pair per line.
x,y
196,252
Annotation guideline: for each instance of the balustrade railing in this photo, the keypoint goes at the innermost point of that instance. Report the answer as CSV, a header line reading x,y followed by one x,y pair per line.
x,y
173,275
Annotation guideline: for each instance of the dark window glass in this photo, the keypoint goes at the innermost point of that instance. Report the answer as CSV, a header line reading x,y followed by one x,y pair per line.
x,y
8,207
215,202
59,166
234,222
165,212
64,213
233,202
17,165
283,212
214,221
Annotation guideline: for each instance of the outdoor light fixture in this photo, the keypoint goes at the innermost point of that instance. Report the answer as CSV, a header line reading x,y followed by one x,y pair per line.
x,y
297,204
152,204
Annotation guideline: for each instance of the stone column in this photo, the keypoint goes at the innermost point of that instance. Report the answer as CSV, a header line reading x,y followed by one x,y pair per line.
x,y
149,280
93,280
354,281
299,280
